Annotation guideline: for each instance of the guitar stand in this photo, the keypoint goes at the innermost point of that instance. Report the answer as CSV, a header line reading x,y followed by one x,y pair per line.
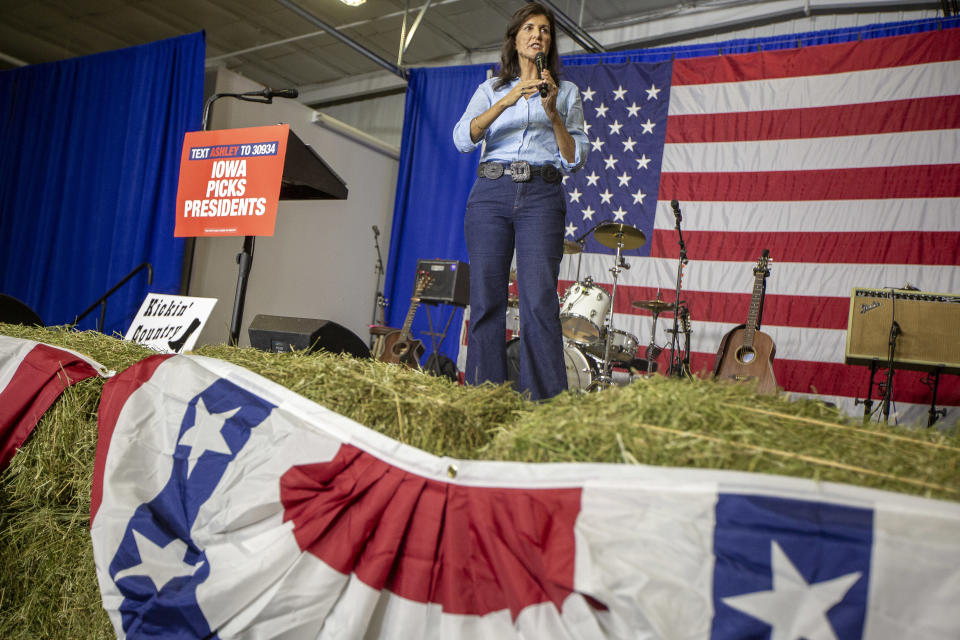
x,y
435,367
868,401
934,414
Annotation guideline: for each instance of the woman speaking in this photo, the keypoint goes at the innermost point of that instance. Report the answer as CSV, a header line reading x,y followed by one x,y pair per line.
x,y
532,128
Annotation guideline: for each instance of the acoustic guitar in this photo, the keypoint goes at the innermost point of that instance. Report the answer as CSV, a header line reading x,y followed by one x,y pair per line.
x,y
746,353
399,347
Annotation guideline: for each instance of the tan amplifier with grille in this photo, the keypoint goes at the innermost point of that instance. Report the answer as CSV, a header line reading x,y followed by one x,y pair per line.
x,y
928,323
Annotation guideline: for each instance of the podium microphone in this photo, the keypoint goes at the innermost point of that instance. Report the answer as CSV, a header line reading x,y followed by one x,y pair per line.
x,y
280,93
541,61
676,210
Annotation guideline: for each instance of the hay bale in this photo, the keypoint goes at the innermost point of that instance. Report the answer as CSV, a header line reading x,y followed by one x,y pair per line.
x,y
48,587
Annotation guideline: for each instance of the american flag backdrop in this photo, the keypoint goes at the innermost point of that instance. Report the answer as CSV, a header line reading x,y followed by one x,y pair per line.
x,y
843,160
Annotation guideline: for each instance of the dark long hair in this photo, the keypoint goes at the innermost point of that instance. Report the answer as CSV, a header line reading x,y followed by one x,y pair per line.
x,y
509,65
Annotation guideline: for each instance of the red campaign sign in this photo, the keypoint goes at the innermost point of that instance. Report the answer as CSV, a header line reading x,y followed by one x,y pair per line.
x,y
230,181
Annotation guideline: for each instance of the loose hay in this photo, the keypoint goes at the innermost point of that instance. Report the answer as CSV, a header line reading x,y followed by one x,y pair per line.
x,y
48,587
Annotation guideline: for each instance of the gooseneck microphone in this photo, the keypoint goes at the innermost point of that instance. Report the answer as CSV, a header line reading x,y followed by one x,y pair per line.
x,y
676,210
541,61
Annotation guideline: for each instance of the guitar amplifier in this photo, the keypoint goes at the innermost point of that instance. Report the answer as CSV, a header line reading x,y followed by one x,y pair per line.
x,y
449,282
929,325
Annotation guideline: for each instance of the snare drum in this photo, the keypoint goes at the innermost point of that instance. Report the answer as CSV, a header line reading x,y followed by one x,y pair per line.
x,y
583,310
581,369
623,346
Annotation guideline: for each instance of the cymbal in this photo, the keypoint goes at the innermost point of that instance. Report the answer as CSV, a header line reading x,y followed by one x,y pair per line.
x,y
657,306
612,233
569,246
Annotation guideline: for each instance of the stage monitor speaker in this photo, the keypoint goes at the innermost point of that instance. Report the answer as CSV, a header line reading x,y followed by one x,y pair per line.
x,y
280,333
449,281
12,311
929,324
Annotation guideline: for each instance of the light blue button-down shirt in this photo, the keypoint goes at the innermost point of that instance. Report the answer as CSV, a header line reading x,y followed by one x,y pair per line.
x,y
523,131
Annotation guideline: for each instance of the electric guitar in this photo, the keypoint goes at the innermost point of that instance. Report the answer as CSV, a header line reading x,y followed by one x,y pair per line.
x,y
746,353
399,347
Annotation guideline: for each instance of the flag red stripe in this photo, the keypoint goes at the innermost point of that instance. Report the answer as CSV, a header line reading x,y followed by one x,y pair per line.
x,y
918,48
852,247
418,538
43,374
920,181
922,114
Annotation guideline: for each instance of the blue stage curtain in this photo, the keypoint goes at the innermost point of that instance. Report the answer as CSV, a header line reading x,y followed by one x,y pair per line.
x,y
433,183
435,179
88,176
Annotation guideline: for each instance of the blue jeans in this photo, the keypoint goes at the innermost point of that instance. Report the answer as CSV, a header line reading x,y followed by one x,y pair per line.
x,y
529,216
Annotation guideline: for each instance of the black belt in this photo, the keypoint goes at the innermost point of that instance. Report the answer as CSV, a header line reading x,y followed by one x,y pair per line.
x,y
519,171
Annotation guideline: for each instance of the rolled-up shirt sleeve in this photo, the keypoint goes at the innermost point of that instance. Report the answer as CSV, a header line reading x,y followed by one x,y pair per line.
x,y
574,123
480,102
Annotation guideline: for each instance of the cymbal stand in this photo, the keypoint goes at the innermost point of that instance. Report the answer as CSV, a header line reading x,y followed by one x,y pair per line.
x,y
676,367
605,378
653,350
582,241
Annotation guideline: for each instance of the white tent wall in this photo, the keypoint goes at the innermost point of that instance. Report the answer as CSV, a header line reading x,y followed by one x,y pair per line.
x,y
320,262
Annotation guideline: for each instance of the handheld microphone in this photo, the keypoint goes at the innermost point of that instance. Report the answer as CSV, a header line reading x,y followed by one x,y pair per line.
x,y
541,61
676,210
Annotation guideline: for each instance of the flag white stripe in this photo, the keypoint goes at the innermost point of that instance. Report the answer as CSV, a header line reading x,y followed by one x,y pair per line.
x,y
905,413
839,152
12,353
793,343
828,216
854,87
787,278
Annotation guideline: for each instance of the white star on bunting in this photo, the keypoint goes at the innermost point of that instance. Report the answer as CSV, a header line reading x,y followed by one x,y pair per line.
x,y
205,434
793,608
160,564
652,92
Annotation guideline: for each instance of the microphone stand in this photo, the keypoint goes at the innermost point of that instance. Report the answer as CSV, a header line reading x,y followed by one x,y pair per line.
x,y
380,303
582,241
676,367
245,257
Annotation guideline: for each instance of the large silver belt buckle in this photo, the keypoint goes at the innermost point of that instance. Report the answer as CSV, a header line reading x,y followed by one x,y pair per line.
x,y
492,170
520,171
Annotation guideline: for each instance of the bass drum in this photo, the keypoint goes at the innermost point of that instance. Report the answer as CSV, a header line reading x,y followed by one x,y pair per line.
x,y
581,369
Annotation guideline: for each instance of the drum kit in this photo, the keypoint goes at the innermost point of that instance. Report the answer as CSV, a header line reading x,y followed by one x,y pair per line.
x,y
593,347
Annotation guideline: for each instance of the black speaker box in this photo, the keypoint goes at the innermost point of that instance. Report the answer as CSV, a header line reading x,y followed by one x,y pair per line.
x,y
12,311
280,333
449,281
